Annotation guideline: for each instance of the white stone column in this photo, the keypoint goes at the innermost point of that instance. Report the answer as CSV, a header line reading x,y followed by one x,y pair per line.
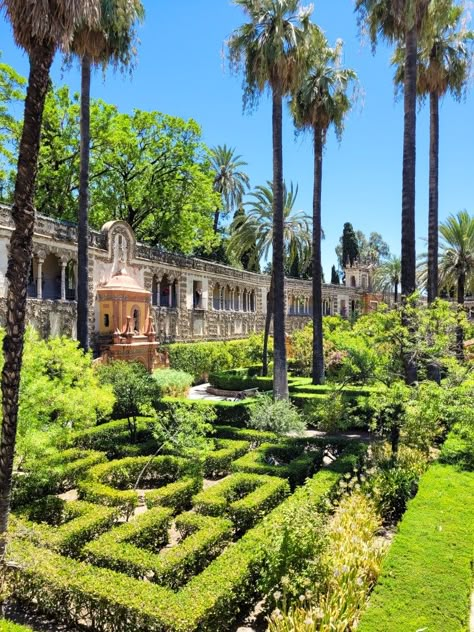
x,y
39,278
63,279
170,295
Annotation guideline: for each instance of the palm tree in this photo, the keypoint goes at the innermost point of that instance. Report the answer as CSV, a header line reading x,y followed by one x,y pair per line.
x,y
229,180
387,276
443,66
271,50
255,230
110,41
40,28
457,261
321,101
401,21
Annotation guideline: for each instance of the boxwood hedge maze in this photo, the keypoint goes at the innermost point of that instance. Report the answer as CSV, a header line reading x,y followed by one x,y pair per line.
x,y
183,552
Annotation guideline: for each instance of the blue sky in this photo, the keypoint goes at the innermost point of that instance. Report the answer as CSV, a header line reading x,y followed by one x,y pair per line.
x,y
182,71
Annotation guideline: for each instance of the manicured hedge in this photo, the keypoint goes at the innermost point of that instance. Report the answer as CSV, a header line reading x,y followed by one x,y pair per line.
x,y
288,461
176,495
108,436
60,474
245,498
218,462
202,358
203,538
256,437
240,380
78,521
426,579
111,483
234,413
75,591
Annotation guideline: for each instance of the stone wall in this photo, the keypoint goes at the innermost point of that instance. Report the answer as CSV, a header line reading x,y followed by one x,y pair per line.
x,y
192,299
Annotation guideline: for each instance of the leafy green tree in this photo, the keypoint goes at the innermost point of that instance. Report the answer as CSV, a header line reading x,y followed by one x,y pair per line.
x,y
156,177
335,278
443,66
387,276
11,92
134,388
146,168
111,40
270,49
40,30
348,246
255,229
229,180
321,101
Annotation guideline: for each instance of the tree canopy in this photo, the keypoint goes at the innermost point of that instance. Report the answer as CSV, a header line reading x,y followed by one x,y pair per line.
x,y
147,168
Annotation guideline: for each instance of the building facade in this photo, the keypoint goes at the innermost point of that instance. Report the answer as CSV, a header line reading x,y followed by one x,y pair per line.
x,y
191,299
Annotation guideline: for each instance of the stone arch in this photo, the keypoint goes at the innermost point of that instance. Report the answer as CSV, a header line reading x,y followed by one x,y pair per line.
x,y
71,280
216,297
51,280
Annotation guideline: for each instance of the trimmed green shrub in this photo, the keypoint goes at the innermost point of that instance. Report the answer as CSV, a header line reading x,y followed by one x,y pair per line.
x,y
256,437
218,462
202,539
58,473
288,461
176,495
202,358
426,579
243,497
172,383
233,413
108,437
278,415
111,483
74,591
241,380
63,526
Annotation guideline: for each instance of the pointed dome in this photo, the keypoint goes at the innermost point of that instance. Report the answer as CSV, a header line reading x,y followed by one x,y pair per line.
x,y
121,281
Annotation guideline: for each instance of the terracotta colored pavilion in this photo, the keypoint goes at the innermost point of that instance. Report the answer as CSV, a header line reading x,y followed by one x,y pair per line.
x,y
125,324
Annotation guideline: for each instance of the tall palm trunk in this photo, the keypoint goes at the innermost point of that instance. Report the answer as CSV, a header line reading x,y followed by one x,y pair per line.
x,y
19,261
459,330
433,199
266,333
215,226
280,377
83,229
318,358
395,288
408,276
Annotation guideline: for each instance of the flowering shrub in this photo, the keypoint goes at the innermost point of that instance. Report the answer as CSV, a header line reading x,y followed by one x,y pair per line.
x,y
349,566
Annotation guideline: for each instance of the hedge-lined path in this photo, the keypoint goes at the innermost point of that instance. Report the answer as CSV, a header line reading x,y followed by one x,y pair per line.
x,y
200,392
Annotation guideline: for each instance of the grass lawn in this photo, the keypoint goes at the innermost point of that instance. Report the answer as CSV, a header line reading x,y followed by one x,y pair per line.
x,y
427,577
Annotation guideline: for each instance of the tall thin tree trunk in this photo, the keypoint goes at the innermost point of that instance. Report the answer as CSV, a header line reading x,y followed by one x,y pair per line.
x,y
318,358
280,376
266,333
433,200
459,330
83,228
19,261
408,276
217,213
396,292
